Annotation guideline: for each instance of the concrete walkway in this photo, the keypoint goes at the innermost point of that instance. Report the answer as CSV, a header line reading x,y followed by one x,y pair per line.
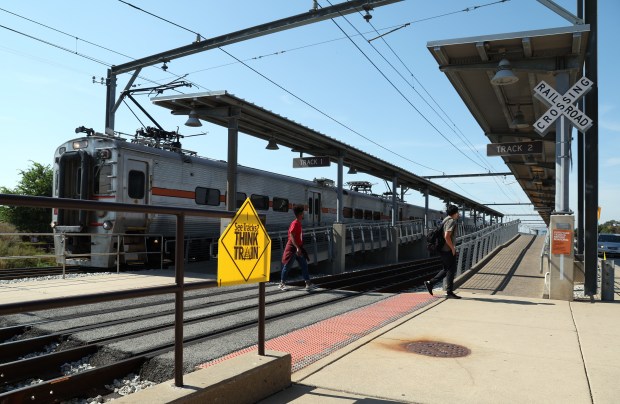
x,y
522,350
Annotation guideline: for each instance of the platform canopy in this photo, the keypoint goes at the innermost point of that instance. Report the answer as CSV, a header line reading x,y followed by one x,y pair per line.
x,y
507,112
219,107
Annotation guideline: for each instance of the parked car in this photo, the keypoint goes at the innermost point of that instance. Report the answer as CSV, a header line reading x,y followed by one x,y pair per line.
x,y
609,244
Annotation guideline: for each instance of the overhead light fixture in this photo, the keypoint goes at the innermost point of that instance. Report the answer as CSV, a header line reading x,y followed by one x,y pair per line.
x,y
193,120
529,160
272,145
352,170
519,120
504,74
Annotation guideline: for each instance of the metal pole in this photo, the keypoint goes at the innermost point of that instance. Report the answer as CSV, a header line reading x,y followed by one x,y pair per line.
x,y
178,302
233,137
64,255
339,190
261,318
426,208
118,254
591,153
562,150
580,167
110,100
394,200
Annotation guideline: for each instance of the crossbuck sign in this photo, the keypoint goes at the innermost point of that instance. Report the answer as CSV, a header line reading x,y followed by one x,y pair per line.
x,y
562,105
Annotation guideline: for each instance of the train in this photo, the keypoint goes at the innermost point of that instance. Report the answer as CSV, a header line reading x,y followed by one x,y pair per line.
x,y
153,168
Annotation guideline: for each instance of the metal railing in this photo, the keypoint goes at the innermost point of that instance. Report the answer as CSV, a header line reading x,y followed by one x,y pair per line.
x,y
49,255
178,288
65,255
473,247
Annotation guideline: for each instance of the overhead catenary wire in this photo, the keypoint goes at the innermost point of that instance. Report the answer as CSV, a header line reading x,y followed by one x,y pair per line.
x,y
454,127
290,92
107,64
78,39
400,92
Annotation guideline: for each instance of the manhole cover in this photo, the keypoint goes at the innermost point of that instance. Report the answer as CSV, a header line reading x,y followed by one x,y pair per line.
x,y
437,349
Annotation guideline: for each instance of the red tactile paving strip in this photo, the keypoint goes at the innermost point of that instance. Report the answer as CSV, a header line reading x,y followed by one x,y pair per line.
x,y
316,341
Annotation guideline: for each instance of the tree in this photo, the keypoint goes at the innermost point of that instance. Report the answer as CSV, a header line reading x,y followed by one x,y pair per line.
x,y
612,226
36,181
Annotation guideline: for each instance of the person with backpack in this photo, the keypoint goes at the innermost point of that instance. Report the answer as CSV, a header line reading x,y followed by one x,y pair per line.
x,y
447,254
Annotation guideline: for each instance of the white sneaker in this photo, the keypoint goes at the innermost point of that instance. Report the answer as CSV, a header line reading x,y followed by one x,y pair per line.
x,y
282,287
310,286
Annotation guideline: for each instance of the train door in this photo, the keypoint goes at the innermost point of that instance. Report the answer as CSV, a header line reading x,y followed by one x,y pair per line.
x,y
314,208
135,191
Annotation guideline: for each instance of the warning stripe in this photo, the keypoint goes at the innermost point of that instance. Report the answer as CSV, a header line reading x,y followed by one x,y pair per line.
x,y
309,344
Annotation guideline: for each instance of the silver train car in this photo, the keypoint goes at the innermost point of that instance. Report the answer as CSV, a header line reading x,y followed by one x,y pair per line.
x,y
155,170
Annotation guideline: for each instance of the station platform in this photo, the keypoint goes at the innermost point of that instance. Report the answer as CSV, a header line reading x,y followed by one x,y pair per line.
x,y
502,342
516,347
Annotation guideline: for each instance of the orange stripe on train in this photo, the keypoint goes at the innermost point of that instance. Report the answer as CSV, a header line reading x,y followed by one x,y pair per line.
x,y
177,193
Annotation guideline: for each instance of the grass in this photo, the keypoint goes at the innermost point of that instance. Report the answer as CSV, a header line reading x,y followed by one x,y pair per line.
x,y
14,246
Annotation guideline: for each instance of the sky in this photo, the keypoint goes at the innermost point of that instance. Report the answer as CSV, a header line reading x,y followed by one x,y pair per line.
x,y
325,76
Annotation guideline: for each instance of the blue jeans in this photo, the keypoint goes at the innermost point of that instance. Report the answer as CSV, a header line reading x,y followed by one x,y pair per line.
x,y
302,263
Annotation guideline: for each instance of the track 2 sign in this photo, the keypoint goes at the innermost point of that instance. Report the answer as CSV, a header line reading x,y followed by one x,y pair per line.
x,y
562,105
244,249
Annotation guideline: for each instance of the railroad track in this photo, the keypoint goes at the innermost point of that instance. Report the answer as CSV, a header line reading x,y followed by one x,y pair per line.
x,y
217,315
22,273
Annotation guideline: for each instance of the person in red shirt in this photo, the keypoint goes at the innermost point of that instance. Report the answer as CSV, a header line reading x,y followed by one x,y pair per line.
x,y
294,250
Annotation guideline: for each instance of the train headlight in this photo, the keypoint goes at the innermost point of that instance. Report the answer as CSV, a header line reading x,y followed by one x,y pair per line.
x,y
107,225
53,225
80,144
104,154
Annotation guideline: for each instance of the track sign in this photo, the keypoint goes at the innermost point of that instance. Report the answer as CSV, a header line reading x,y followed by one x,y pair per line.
x,y
509,149
244,249
303,162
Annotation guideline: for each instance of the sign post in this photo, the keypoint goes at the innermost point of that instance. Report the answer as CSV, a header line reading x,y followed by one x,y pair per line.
x,y
562,113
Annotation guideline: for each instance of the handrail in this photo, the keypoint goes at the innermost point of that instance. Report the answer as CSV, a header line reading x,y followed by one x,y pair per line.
x,y
178,289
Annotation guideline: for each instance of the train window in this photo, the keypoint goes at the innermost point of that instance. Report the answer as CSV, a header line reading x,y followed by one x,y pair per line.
x,y
376,215
103,179
207,196
241,197
280,204
368,215
260,202
358,213
136,184
310,206
347,213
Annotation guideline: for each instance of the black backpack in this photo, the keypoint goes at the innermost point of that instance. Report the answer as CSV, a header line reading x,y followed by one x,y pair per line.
x,y
435,240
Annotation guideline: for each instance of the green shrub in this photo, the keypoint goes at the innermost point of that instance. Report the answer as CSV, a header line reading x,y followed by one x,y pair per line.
x,y
12,245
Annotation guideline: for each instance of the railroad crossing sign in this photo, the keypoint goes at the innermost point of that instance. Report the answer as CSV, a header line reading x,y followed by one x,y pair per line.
x,y
562,105
244,249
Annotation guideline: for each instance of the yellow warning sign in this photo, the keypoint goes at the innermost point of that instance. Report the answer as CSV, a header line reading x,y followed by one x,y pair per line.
x,y
244,249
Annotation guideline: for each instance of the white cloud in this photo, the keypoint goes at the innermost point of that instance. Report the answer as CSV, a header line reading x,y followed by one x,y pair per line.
x,y
611,162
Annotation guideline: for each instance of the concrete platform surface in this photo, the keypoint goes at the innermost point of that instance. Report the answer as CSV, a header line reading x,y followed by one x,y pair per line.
x,y
522,350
